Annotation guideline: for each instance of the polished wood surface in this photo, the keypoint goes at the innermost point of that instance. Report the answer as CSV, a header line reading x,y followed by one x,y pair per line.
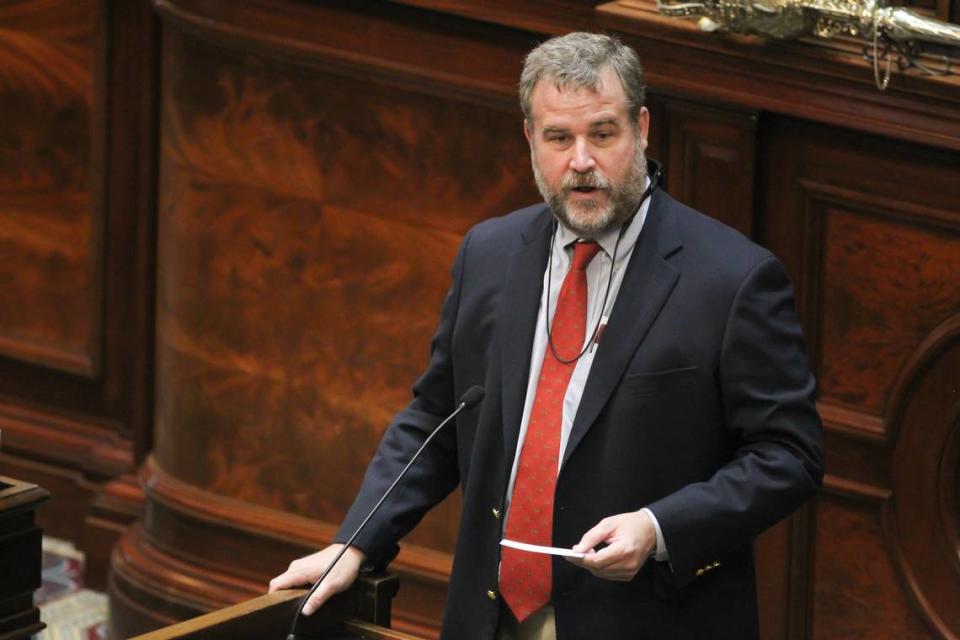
x,y
360,612
226,229
48,304
342,617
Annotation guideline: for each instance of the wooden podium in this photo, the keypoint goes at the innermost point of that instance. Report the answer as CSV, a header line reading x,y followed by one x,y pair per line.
x,y
20,558
362,612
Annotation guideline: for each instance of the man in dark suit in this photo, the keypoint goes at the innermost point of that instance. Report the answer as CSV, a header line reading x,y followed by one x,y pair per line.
x,y
648,401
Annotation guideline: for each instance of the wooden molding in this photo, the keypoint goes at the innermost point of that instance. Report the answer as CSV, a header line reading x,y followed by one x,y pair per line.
x,y
538,16
854,489
912,585
113,509
194,507
151,589
189,541
922,359
48,355
88,446
877,206
308,35
817,198
920,521
851,422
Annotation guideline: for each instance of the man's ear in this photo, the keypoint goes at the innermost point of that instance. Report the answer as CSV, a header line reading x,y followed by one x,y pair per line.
x,y
643,127
527,132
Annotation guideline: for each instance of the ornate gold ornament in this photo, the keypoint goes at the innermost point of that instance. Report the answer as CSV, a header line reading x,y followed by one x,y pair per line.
x,y
890,31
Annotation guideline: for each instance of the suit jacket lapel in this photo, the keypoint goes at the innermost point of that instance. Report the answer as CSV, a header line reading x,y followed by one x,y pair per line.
x,y
645,288
518,321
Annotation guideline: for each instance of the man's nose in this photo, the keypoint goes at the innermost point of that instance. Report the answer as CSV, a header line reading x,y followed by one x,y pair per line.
x,y
582,159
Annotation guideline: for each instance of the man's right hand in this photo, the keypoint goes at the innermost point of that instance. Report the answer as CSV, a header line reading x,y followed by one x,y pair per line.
x,y
305,571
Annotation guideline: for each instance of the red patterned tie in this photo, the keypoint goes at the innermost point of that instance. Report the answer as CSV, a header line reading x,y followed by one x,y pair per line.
x,y
526,578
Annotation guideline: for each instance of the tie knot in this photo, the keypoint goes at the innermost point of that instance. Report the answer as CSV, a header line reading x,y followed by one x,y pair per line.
x,y
583,253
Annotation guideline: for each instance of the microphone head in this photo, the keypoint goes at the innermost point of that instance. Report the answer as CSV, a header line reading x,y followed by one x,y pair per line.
x,y
472,397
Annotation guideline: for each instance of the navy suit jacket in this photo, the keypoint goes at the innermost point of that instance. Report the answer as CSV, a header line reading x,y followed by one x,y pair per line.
x,y
699,405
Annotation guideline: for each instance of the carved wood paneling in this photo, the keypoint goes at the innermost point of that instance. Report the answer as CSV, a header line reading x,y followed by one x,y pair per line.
x,y
877,270
711,160
923,518
857,590
49,232
877,284
858,466
886,283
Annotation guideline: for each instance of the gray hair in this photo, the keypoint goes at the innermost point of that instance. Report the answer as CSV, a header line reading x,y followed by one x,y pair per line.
x,y
576,60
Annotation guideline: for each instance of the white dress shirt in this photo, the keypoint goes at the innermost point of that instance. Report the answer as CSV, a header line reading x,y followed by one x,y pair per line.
x,y
598,275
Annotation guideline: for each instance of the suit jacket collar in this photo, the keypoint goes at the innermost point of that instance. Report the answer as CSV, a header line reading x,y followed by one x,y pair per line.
x,y
518,320
647,285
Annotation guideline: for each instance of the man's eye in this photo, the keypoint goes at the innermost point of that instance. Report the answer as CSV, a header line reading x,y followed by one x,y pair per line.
x,y
558,137
602,135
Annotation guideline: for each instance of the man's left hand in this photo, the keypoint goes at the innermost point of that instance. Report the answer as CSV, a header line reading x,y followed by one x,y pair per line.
x,y
630,539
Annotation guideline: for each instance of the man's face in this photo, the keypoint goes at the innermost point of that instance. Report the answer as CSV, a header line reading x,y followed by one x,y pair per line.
x,y
587,154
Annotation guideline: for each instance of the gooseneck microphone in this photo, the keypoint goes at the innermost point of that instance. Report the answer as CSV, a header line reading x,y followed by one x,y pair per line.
x,y
471,398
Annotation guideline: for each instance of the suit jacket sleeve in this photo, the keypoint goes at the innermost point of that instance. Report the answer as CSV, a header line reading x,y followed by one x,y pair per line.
x,y
767,394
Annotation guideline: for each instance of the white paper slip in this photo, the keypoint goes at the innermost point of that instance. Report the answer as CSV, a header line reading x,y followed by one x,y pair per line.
x,y
536,548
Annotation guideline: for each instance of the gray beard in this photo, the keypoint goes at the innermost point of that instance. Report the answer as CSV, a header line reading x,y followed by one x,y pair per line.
x,y
592,220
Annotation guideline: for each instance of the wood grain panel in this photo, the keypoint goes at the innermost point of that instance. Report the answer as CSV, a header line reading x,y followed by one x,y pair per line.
x,y
870,231
924,521
857,593
864,463
307,224
887,282
784,556
208,531
48,227
876,269
711,160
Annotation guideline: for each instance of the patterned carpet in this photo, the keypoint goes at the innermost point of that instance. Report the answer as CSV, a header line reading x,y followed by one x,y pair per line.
x,y
69,611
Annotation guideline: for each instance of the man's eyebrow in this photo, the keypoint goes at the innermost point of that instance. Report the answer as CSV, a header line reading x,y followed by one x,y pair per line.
x,y
604,121
549,129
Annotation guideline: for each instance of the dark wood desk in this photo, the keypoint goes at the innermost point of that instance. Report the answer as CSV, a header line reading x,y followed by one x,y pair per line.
x,y
20,558
363,612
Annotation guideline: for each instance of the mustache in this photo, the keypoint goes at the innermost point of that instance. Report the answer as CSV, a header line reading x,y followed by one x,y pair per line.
x,y
588,179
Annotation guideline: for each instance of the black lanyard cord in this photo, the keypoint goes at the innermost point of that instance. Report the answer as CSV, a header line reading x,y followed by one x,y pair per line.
x,y
606,294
